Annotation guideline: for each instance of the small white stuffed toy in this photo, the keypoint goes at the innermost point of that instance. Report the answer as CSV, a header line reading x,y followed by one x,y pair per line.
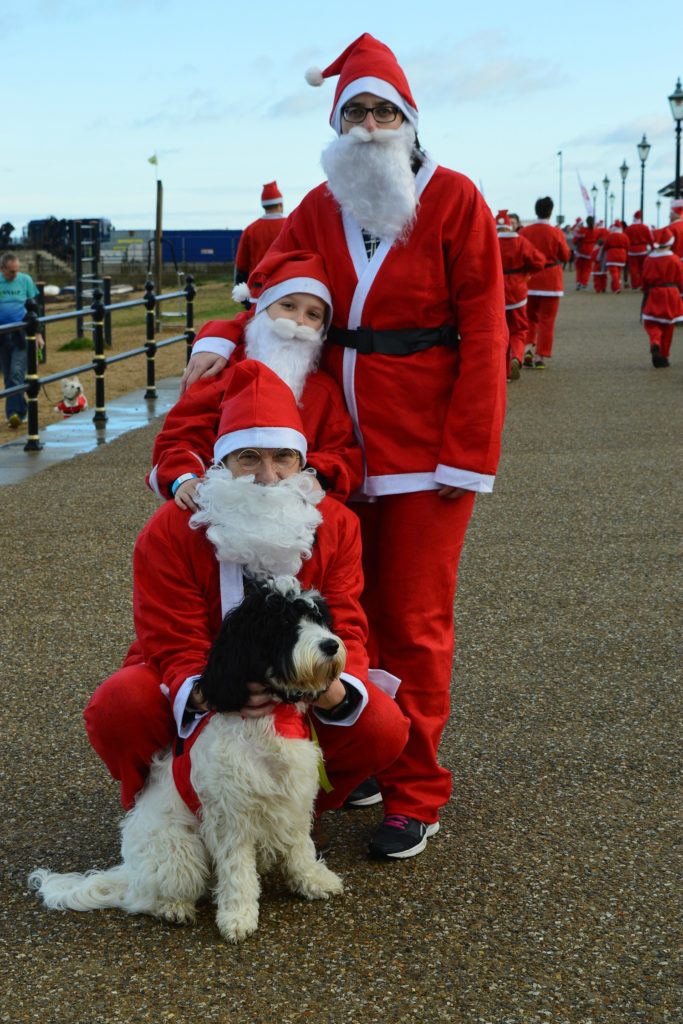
x,y
73,399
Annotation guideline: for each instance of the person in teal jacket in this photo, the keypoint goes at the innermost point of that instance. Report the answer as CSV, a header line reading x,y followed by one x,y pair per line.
x,y
15,289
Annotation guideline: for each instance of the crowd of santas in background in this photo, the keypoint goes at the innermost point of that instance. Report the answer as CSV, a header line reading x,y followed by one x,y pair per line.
x,y
622,256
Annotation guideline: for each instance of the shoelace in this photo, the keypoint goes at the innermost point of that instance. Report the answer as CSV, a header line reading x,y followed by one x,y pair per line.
x,y
396,821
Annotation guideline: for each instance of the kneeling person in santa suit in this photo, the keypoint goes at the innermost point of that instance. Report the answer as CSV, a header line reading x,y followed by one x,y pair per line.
x,y
291,311
257,514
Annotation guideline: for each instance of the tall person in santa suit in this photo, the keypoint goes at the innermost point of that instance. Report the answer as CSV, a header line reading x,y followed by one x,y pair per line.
x,y
616,248
585,237
520,259
676,226
418,344
546,287
663,296
258,236
639,244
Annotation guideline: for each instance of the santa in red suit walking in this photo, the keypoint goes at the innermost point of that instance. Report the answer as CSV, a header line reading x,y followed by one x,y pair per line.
x,y
616,246
418,343
676,226
258,236
520,259
585,238
639,244
546,287
662,301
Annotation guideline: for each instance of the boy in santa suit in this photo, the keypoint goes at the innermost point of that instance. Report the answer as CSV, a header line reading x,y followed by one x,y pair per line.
x,y
285,330
676,226
258,236
418,343
616,246
520,259
545,287
662,302
639,244
585,238
258,514
599,272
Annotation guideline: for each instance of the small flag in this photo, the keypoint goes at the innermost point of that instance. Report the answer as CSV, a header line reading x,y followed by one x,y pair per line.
x,y
153,160
588,202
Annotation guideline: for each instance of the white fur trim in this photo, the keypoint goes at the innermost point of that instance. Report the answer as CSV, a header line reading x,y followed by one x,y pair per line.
x,y
314,76
451,477
260,437
185,729
241,293
306,285
272,202
517,305
378,87
547,294
219,346
154,482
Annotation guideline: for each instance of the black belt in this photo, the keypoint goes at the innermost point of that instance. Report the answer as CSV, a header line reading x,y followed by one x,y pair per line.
x,y
394,343
516,270
547,266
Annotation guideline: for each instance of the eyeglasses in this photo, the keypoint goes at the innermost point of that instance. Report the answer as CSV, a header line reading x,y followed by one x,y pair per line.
x,y
383,113
251,459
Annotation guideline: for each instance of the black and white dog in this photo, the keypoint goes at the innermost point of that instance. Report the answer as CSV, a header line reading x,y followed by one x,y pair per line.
x,y
256,786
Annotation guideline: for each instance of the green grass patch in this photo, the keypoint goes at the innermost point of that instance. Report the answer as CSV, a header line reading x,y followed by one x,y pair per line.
x,y
76,345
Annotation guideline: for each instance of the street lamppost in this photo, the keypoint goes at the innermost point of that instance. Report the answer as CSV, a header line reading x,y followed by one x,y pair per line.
x,y
676,101
643,150
605,185
611,207
623,171
658,205
594,193
560,218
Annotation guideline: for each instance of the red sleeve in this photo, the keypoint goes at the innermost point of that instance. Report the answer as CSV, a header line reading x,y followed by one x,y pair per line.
x,y
243,254
332,447
231,330
185,442
474,422
175,597
534,259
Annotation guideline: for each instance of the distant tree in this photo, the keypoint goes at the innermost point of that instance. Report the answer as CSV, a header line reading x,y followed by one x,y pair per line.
x,y
6,235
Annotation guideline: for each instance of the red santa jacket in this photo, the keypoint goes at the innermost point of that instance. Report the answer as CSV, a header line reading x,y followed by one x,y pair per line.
x,y
551,241
181,591
255,241
520,259
435,416
616,245
186,440
676,229
662,287
639,239
585,239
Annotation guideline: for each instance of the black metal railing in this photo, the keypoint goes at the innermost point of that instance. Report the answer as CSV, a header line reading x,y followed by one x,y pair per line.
x,y
100,312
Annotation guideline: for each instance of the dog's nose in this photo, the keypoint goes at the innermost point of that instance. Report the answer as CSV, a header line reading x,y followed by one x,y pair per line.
x,y
329,647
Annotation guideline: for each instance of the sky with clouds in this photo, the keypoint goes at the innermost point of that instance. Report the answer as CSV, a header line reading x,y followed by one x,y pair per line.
x,y
217,91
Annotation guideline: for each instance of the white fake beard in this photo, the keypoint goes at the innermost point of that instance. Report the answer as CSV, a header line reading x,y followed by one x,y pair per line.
x,y
269,530
291,351
370,176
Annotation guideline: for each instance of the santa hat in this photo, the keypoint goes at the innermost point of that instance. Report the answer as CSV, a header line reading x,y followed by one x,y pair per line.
x,y
283,273
638,215
366,66
677,204
503,222
271,194
258,411
662,237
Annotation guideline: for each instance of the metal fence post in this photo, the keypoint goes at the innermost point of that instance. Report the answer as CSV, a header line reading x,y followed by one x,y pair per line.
x,y
42,353
99,359
106,285
190,292
150,344
33,390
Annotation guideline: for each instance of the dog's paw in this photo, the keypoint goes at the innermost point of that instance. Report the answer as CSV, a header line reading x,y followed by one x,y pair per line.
x,y
235,925
319,884
178,912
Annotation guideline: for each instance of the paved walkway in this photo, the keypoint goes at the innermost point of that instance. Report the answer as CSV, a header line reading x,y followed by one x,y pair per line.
x,y
551,894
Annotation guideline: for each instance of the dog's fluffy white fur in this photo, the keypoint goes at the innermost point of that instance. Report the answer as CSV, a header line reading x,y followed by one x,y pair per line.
x,y
257,791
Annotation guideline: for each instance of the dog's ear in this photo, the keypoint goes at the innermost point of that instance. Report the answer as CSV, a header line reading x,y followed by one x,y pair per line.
x,y
235,659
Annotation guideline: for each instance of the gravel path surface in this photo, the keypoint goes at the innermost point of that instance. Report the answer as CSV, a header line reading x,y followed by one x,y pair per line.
x,y
549,896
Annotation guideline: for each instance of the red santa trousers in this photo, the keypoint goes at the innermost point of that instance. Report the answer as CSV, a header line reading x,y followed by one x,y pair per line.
x,y
542,312
128,720
660,334
583,270
518,327
411,548
615,277
635,269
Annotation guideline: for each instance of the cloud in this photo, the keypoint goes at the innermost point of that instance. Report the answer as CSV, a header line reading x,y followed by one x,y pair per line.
x,y
197,106
298,103
629,133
